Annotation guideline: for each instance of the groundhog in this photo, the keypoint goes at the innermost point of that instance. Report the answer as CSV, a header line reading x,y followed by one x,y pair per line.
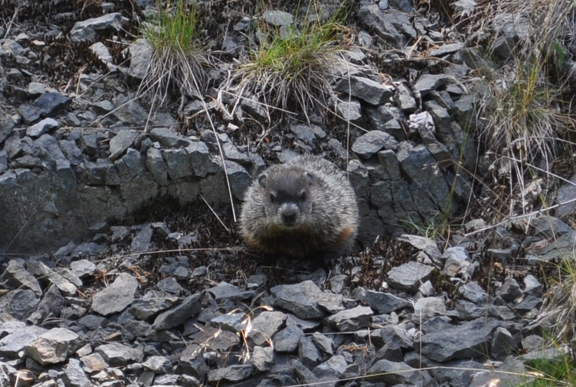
x,y
303,208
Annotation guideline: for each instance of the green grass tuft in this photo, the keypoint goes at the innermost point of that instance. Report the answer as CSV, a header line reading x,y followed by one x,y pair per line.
x,y
290,68
178,61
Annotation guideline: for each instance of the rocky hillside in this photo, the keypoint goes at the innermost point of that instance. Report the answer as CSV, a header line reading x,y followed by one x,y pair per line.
x,y
122,171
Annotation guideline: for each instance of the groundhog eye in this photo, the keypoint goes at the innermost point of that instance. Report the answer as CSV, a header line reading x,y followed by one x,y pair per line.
x,y
303,196
273,197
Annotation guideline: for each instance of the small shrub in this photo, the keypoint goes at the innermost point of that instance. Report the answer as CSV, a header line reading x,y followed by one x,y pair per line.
x,y
178,61
522,107
289,68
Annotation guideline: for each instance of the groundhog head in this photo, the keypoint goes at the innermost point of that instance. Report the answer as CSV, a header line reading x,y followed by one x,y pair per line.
x,y
287,196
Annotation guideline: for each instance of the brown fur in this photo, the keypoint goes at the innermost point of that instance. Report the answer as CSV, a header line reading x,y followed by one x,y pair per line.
x,y
302,208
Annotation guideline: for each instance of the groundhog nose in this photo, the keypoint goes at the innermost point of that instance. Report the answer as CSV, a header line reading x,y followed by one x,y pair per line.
x,y
289,212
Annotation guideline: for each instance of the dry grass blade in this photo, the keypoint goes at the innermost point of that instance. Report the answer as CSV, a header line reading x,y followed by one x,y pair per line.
x,y
523,107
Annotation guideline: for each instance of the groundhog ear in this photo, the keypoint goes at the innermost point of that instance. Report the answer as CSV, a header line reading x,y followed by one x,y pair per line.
x,y
310,178
262,179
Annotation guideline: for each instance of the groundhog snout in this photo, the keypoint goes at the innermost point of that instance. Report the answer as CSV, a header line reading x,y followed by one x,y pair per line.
x,y
289,213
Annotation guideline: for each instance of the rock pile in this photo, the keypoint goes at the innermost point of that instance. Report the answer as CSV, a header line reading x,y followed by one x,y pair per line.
x,y
73,320
406,166
97,306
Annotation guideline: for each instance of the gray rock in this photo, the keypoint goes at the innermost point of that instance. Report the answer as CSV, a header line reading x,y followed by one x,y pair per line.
x,y
308,353
533,342
510,28
175,316
366,89
71,151
428,82
200,159
7,125
158,365
16,336
89,144
456,262
350,319
423,244
137,184
349,111
566,193
141,241
28,113
177,163
130,112
19,303
440,115
392,26
102,107
15,276
529,305
397,335
192,361
239,179
86,30
3,161
74,375
372,142
254,108
468,340
398,373
122,141
445,49
532,286
140,56
231,322
53,346
265,326
511,373
409,276
303,373
510,290
427,308
323,343
42,127
429,187
502,344
404,100
118,355
336,366
157,166
385,302
278,18
152,304
235,373
117,296
464,110
473,292
225,291
102,172
262,358
168,138
231,152
355,55
302,299
50,306
54,155
49,104
59,281
287,339
550,227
